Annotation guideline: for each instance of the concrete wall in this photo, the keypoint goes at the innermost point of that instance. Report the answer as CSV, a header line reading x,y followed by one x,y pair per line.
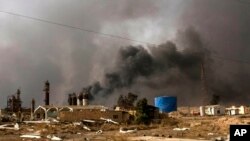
x,y
94,114
188,110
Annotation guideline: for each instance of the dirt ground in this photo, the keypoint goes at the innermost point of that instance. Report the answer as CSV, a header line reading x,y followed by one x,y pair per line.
x,y
202,128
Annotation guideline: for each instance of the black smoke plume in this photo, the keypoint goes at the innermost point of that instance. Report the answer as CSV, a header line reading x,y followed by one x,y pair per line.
x,y
160,67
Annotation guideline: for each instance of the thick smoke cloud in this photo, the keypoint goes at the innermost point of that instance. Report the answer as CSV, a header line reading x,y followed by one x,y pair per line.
x,y
224,25
161,67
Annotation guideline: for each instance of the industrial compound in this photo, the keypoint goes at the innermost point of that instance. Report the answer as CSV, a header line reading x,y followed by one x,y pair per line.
x,y
80,112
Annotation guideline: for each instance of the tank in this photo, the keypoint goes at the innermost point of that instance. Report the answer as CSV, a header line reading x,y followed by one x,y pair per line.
x,y
166,103
85,102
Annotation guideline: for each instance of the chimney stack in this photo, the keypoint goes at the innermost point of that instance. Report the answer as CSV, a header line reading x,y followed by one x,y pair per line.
x,y
46,90
33,103
85,100
18,100
32,109
74,99
18,94
79,99
70,99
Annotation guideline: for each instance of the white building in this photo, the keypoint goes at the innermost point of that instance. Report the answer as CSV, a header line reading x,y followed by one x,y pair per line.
x,y
212,110
236,110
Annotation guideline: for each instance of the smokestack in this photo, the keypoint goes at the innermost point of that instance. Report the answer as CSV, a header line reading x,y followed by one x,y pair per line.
x,y
33,102
32,109
18,102
74,99
13,108
85,102
18,94
46,90
85,98
79,99
70,99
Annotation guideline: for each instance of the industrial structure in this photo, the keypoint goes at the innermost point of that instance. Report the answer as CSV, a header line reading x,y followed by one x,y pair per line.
x,y
33,103
47,92
166,103
82,99
14,103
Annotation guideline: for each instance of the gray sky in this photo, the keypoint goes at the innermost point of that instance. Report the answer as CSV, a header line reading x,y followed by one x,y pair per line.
x,y
32,52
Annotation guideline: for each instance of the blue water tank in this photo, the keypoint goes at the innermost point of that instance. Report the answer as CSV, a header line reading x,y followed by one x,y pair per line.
x,y
166,103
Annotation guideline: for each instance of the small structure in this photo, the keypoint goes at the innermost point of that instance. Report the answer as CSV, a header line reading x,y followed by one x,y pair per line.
x,y
212,110
45,112
236,110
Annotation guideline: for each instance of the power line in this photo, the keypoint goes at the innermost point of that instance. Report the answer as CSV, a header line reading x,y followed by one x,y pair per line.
x,y
74,27
105,34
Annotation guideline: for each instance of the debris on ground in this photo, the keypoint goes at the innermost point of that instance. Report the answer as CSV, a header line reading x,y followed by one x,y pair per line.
x,y
91,121
10,126
181,129
31,136
99,132
54,138
125,130
36,122
86,128
109,121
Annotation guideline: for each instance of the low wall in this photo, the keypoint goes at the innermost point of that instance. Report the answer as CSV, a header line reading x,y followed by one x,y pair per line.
x,y
94,114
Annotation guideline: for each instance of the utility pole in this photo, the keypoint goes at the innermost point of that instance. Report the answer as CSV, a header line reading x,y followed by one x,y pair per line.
x,y
204,84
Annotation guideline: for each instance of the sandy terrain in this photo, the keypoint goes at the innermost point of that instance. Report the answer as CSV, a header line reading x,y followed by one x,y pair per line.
x,y
170,129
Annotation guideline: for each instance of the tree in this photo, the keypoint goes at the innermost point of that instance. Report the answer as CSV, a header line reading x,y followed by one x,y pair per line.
x,y
131,98
120,101
142,112
127,101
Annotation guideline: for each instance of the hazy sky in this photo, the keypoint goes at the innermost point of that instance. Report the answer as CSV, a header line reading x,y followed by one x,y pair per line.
x,y
32,52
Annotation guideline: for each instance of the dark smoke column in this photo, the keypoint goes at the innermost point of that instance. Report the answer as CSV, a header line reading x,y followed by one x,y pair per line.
x,y
46,90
